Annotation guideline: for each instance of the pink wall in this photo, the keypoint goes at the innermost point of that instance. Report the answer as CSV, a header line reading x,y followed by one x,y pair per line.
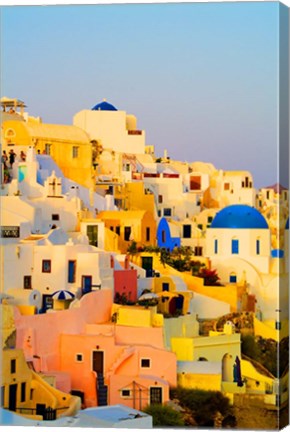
x,y
123,361
152,336
125,282
139,390
39,334
82,376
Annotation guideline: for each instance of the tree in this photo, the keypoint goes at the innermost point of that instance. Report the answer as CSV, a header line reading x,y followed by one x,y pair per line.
x,y
164,415
204,405
132,248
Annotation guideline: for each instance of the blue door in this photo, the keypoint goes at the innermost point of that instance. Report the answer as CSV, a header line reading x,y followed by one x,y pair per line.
x,y
71,271
86,284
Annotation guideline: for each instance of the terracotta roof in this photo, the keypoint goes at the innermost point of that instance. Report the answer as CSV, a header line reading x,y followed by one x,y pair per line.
x,y
277,187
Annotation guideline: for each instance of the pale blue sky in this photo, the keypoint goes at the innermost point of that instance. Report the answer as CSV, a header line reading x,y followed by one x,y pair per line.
x,y
201,78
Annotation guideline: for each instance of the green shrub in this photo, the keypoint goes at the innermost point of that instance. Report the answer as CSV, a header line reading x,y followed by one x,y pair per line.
x,y
164,415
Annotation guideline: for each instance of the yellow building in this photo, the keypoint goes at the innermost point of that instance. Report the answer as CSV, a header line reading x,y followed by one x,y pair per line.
x,y
26,393
138,226
136,316
69,146
134,197
171,299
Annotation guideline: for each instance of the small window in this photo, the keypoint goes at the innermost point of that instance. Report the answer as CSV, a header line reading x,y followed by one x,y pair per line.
x,y
163,236
165,286
145,363
23,392
198,251
226,186
195,182
268,194
127,233
27,284
159,213
160,199
79,358
55,217
186,231
243,184
126,393
167,212
258,247
200,226
75,152
111,228
118,230
147,234
216,245
47,149
13,366
46,266
233,278
128,166
209,219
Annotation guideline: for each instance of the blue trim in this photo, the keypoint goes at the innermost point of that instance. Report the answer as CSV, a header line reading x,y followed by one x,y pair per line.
x,y
277,253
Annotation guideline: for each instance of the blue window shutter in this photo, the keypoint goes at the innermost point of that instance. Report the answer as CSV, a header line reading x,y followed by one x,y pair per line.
x,y
235,246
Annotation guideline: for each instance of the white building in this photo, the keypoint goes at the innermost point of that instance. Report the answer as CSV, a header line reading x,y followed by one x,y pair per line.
x,y
111,129
238,244
230,187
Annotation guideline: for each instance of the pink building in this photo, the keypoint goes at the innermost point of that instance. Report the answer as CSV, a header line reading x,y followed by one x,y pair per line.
x,y
109,373
102,362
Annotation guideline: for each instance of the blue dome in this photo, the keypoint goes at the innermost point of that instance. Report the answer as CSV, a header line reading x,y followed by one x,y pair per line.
x,y
104,106
239,216
287,224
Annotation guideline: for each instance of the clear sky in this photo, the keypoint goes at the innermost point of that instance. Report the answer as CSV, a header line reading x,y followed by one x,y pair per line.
x,y
201,78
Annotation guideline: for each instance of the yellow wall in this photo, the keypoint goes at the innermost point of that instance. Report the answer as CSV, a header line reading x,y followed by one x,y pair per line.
x,y
183,348
254,377
212,348
268,331
26,309
22,375
137,316
137,220
199,381
136,199
78,169
36,389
